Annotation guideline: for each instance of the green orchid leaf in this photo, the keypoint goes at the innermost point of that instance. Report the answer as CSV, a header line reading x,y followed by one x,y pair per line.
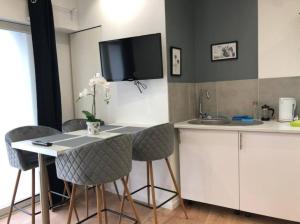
x,y
89,116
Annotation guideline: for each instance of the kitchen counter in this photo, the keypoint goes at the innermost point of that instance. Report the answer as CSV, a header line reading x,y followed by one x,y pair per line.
x,y
268,127
247,168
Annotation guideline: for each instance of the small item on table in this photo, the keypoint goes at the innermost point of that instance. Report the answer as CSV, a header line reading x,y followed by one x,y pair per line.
x,y
248,120
93,124
42,143
295,124
241,117
267,113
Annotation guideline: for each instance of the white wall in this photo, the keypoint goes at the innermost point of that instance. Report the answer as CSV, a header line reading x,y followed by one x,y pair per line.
x,y
17,11
65,15
14,10
119,19
279,38
65,75
85,63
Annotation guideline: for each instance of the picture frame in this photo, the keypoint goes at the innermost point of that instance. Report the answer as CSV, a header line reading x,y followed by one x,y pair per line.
x,y
224,51
176,61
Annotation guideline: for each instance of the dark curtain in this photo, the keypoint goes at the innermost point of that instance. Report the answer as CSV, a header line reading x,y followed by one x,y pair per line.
x,y
46,74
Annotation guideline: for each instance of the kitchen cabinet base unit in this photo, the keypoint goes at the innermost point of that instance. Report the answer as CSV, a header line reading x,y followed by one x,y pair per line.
x,y
270,175
209,167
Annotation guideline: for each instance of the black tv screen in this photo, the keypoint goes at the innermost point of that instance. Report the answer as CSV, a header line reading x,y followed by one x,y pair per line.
x,y
135,58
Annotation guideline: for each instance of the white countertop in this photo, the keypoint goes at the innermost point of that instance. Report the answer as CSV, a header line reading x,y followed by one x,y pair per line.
x,y
268,126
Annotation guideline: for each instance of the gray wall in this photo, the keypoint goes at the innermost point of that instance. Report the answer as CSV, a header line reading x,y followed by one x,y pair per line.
x,y
221,21
195,24
180,23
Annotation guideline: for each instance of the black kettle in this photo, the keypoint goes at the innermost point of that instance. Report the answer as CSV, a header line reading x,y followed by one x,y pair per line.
x,y
267,113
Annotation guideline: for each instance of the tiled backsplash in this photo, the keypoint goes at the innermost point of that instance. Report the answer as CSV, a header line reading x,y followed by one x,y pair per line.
x,y
270,90
182,101
231,97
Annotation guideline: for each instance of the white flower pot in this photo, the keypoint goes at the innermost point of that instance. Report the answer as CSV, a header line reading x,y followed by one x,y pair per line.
x,y
93,128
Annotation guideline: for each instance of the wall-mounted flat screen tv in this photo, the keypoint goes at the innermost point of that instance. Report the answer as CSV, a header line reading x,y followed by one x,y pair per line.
x,y
134,58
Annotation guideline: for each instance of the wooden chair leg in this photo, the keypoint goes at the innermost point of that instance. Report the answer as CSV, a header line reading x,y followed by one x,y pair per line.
x,y
72,203
14,196
86,193
177,188
123,200
64,193
69,194
153,192
99,202
33,196
148,183
49,190
130,200
104,204
117,190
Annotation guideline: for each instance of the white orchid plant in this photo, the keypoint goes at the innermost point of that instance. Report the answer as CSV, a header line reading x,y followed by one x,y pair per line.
x,y
97,80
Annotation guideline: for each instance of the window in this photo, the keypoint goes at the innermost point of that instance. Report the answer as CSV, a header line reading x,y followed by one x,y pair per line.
x,y
18,104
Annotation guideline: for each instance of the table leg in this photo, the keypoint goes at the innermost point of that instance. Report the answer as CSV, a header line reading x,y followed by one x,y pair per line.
x,y
44,191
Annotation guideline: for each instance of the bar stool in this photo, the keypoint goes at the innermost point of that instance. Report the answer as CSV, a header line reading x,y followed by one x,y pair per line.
x,y
96,164
75,125
24,161
155,143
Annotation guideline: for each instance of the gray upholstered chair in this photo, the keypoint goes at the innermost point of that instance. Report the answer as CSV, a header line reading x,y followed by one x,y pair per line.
x,y
23,160
96,164
75,125
155,143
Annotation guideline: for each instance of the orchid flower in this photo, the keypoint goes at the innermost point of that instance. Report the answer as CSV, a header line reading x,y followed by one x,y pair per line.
x,y
97,80
84,93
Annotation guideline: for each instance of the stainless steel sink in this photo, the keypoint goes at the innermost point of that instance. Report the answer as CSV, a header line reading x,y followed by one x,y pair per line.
x,y
209,121
224,122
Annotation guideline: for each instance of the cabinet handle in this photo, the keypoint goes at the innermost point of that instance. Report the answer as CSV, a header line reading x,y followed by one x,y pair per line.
x,y
241,141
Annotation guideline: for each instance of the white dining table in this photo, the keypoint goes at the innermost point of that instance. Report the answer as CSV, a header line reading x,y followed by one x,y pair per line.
x,y
65,142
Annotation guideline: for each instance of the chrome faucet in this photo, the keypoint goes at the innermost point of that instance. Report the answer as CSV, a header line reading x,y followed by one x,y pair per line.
x,y
202,114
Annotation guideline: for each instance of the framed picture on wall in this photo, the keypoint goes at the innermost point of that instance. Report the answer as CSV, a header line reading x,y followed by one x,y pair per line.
x,y
176,61
224,51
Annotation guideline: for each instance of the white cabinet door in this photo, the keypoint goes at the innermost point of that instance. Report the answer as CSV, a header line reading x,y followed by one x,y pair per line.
x,y
209,167
270,175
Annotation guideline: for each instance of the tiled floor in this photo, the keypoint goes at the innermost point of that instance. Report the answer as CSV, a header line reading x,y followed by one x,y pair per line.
x,y
198,213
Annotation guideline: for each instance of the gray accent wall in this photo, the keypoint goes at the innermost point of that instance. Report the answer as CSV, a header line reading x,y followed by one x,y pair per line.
x,y
180,23
223,21
196,24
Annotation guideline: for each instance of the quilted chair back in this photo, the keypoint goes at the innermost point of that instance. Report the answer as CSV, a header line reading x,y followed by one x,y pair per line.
x,y
74,125
96,163
154,143
21,159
